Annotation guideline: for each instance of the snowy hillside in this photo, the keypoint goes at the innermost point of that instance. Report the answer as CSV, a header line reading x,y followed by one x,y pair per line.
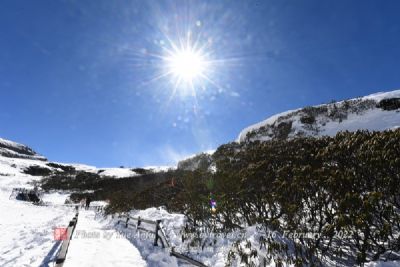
x,y
377,112
14,150
27,229
17,158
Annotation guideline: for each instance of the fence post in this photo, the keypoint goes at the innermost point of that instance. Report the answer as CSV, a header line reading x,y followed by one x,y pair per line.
x,y
126,224
156,232
138,222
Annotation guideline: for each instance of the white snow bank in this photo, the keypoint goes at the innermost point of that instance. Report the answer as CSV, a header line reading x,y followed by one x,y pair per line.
x,y
117,172
155,256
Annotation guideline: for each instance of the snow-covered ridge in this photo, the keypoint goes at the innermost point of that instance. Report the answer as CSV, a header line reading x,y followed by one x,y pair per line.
x,y
16,158
376,112
15,150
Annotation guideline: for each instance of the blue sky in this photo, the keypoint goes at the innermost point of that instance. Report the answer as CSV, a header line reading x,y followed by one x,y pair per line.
x,y
76,76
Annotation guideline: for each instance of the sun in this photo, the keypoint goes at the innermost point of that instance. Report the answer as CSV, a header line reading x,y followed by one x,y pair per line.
x,y
186,64
184,59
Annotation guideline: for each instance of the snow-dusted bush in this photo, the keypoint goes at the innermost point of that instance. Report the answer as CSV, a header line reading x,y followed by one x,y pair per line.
x,y
334,198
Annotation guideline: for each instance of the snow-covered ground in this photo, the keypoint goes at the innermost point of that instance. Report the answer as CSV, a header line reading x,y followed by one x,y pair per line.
x,y
27,230
96,244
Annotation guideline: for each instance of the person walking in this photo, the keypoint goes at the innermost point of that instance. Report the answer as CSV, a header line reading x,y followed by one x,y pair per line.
x,y
88,200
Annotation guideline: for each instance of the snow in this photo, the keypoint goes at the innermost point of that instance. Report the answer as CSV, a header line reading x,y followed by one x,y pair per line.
x,y
383,264
128,172
268,121
55,198
13,144
383,95
81,167
213,254
27,231
9,145
117,172
155,256
11,172
172,224
373,119
96,244
160,168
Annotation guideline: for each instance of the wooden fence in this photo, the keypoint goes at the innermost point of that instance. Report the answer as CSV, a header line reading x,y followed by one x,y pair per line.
x,y
62,254
159,235
127,221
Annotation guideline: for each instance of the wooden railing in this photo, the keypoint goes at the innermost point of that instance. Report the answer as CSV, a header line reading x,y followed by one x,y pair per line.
x,y
62,254
127,221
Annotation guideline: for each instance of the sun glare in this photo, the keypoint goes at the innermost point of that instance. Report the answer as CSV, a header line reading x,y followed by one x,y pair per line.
x,y
188,62
186,65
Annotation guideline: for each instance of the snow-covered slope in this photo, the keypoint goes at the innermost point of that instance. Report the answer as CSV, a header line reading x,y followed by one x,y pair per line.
x,y
16,158
376,112
27,230
15,150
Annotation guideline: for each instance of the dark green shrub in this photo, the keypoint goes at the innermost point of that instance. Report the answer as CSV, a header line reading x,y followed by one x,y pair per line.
x,y
389,104
36,170
140,171
307,120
